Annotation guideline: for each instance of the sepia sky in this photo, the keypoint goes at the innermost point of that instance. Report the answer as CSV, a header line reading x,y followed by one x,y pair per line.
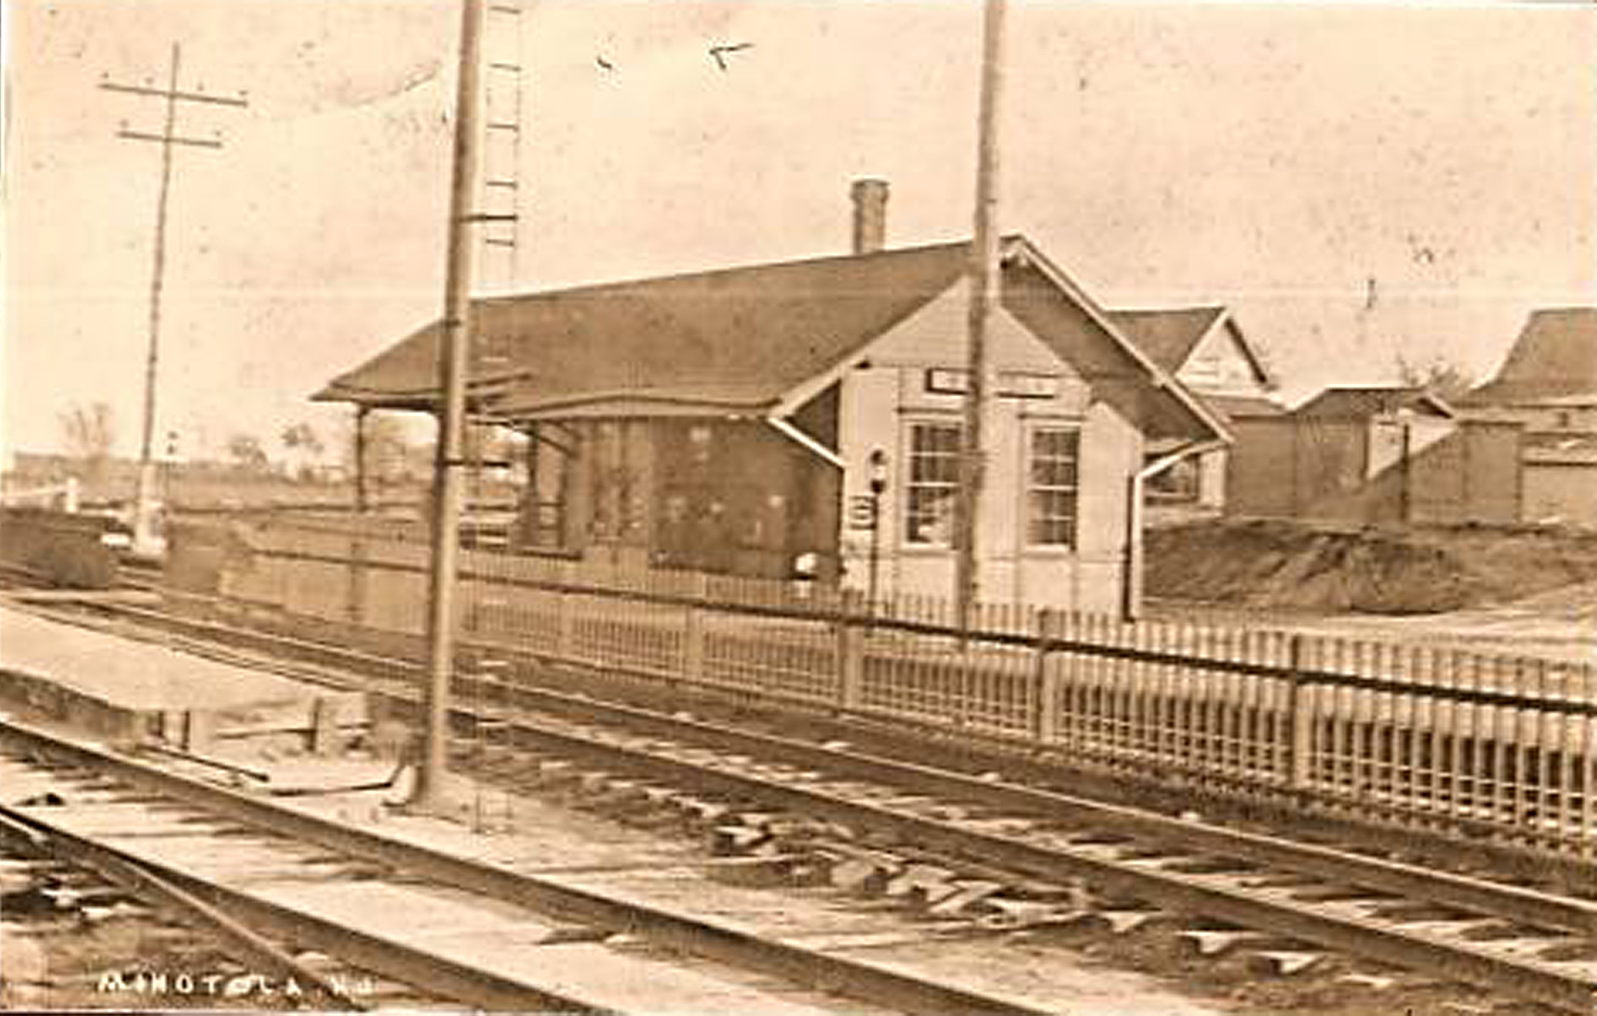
x,y
1357,180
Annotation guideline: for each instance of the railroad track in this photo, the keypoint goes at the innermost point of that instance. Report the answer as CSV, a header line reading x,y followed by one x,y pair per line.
x,y
1288,900
473,933
76,880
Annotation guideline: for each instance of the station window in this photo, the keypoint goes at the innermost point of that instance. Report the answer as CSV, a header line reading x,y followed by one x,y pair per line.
x,y
933,484
1052,487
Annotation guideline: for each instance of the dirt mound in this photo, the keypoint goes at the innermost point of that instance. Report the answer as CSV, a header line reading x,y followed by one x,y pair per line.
x,y
1282,564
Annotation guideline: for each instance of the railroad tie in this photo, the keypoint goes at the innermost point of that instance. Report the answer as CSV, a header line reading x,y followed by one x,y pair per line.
x,y
700,812
922,879
1012,915
1284,962
1374,982
1211,942
966,893
727,840
1123,922
862,875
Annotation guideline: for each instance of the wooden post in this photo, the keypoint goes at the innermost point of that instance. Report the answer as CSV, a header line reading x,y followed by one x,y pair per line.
x,y
1045,719
325,739
566,606
850,653
362,495
1301,705
985,281
693,631
453,364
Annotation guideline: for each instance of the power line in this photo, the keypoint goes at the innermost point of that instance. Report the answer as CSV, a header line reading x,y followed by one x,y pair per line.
x,y
172,97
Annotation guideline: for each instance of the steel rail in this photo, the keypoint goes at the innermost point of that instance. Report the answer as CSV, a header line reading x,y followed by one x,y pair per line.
x,y
1259,910
141,878
702,937
393,960
1377,873
1404,837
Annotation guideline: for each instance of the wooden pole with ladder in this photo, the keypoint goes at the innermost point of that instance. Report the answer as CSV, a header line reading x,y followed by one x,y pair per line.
x,y
431,794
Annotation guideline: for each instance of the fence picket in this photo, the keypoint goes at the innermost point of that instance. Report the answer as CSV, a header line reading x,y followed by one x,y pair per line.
x,y
1421,735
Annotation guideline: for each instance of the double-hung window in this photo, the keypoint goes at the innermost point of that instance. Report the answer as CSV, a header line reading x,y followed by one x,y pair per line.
x,y
933,484
1052,474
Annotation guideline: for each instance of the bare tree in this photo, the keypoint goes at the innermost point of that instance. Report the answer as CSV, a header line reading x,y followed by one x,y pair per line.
x,y
246,451
302,436
90,432
1438,376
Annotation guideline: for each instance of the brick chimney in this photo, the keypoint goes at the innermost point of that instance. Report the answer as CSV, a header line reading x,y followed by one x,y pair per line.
x,y
870,215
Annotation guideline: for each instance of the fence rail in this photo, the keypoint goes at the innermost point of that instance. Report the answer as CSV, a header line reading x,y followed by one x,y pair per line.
x,y
1496,746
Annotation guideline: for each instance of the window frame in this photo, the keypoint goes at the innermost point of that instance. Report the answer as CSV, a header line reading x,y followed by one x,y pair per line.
x,y
906,514
1030,518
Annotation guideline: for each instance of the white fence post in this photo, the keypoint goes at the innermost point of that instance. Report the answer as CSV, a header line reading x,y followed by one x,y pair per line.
x,y
1300,704
693,630
851,639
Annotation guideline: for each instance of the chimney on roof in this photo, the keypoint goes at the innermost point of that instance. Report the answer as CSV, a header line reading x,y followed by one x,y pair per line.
x,y
870,215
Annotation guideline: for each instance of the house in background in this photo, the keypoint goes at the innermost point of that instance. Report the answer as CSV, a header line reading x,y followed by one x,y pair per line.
x,y
1549,381
1206,350
1548,385
734,421
1375,455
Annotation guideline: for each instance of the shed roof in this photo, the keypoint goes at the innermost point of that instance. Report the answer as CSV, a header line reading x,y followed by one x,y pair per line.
x,y
734,340
1363,403
1233,406
1555,356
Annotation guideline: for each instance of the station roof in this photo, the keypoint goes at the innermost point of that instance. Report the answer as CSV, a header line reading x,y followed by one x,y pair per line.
x,y
732,341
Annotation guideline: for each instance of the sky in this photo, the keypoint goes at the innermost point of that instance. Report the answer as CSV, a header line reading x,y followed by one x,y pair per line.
x,y
1357,181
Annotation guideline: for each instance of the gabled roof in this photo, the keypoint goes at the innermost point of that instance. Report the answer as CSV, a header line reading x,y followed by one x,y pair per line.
x,y
736,337
731,341
1167,336
1171,335
1554,357
1363,403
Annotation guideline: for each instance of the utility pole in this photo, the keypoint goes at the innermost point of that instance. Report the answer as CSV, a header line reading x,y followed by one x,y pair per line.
x,y
985,283
172,95
453,363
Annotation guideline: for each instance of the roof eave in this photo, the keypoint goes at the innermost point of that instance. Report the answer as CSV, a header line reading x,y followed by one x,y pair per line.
x,y
1161,379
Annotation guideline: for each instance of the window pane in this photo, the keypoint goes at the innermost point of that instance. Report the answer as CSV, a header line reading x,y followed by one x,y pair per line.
x,y
933,480
1051,501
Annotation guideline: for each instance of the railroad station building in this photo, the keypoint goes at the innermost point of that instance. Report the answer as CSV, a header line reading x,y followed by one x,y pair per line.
x,y
733,421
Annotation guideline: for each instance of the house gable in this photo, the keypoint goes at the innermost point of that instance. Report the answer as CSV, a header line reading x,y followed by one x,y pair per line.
x,y
1222,363
1555,357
